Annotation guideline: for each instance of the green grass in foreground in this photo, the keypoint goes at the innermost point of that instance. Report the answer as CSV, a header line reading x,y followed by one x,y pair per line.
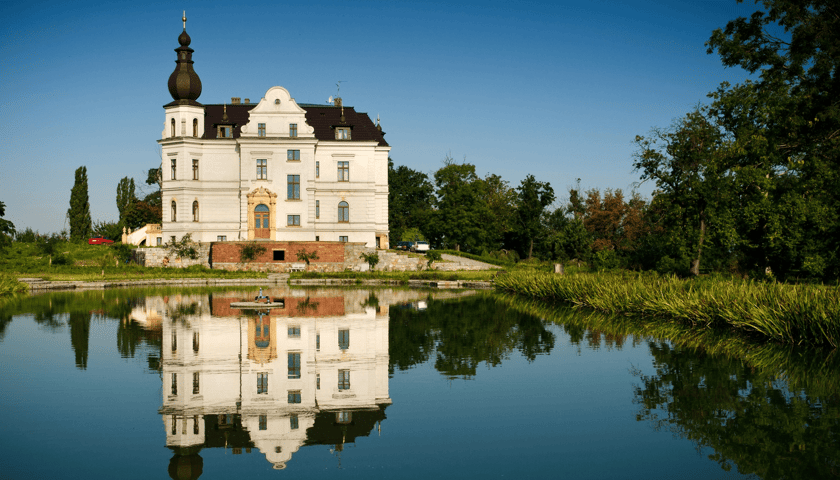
x,y
798,314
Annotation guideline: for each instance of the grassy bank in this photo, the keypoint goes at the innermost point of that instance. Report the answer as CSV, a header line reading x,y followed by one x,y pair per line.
x,y
480,275
797,314
9,285
803,367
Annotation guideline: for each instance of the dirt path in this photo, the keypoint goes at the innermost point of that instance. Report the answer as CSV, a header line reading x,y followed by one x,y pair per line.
x,y
468,262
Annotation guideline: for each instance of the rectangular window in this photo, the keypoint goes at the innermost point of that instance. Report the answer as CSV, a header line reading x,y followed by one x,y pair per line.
x,y
174,167
342,133
317,209
317,169
293,187
279,255
195,342
195,424
174,424
294,366
294,331
221,238
317,381
294,396
293,422
344,339
174,384
343,171
174,342
344,379
293,129
263,418
224,132
293,155
159,241
196,389
262,383
195,169
292,220
262,169
260,129
318,342
343,238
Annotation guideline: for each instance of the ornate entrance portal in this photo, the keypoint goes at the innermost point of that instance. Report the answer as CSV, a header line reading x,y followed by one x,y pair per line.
x,y
262,208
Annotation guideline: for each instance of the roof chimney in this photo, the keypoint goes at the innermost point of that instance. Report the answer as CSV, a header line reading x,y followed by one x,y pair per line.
x,y
247,100
338,101
234,100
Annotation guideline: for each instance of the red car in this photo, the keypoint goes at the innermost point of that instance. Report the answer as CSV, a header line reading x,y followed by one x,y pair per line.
x,y
99,241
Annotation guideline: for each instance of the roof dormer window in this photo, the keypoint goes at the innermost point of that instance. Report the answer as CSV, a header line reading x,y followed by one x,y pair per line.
x,y
342,133
225,131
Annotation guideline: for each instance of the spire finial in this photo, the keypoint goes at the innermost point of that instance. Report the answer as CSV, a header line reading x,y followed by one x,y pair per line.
x,y
184,18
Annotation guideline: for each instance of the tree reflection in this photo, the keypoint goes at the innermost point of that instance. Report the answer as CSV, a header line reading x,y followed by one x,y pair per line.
x,y
748,416
464,333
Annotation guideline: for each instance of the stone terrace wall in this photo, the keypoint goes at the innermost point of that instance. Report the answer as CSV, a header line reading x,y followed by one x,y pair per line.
x,y
160,257
332,256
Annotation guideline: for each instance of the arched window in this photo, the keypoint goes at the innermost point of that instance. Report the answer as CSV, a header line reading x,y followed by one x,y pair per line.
x,y
174,211
195,127
173,128
343,212
195,211
261,212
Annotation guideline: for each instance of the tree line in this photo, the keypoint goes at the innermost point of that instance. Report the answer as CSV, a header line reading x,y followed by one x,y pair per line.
x,y
748,183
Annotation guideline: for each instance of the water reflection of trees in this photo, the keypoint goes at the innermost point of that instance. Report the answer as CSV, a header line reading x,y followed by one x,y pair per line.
x,y
463,333
75,311
766,409
747,415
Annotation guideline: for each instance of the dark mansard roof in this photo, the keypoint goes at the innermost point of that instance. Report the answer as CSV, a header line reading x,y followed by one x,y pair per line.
x,y
323,118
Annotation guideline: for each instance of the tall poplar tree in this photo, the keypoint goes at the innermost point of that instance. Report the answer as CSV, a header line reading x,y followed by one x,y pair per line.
x,y
81,225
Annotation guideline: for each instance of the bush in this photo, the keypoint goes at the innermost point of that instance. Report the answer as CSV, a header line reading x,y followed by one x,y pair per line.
x,y
122,251
433,256
371,258
606,260
27,236
184,248
61,260
248,252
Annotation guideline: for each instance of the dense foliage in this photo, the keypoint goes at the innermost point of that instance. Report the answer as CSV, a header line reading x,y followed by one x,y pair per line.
x,y
747,184
81,226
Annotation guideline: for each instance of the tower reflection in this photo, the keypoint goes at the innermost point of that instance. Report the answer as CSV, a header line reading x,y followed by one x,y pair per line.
x,y
314,372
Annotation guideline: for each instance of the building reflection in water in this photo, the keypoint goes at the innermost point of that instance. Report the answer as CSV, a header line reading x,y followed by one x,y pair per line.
x,y
314,372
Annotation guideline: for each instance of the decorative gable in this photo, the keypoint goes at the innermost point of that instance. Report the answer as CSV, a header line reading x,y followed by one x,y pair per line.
x,y
281,116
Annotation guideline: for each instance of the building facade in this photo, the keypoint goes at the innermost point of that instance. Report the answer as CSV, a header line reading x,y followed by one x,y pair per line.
x,y
271,170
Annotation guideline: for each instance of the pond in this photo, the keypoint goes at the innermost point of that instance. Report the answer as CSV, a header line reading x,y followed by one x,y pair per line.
x,y
394,383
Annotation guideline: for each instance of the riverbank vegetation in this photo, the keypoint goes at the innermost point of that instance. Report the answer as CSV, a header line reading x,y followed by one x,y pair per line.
x,y
747,183
796,314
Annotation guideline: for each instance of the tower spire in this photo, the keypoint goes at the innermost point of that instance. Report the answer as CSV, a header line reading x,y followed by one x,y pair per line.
x,y
184,84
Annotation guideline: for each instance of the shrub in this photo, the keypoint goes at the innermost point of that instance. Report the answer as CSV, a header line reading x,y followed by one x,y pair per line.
x,y
371,258
184,248
304,256
248,252
433,256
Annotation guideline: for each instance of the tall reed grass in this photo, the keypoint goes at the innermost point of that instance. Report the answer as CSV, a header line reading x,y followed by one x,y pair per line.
x,y
797,314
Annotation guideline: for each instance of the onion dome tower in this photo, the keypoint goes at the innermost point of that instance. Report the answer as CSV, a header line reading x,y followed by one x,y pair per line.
x,y
184,84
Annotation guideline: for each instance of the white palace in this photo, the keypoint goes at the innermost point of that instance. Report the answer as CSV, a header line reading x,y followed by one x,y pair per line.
x,y
274,170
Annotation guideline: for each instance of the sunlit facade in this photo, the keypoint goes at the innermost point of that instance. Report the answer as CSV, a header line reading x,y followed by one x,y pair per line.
x,y
272,169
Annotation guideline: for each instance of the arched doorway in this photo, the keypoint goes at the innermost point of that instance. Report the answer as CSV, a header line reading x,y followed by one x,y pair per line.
x,y
261,229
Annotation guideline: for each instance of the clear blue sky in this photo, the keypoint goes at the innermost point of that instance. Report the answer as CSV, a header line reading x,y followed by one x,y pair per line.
x,y
553,89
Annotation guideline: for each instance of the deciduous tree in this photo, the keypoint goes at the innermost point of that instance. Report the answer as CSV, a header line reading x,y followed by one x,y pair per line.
x,y
532,199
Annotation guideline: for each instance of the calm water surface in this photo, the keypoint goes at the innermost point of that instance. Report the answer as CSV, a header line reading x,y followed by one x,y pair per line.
x,y
389,384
